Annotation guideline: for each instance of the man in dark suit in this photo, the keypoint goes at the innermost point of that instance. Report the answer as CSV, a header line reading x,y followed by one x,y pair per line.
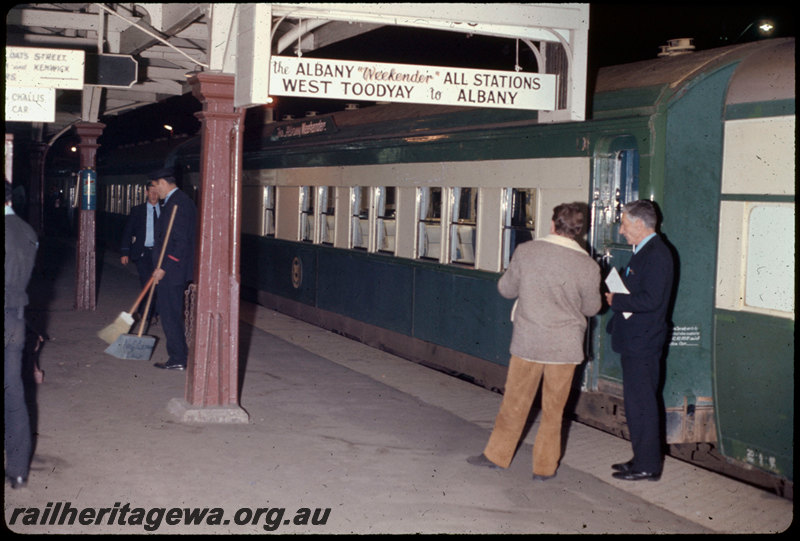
x,y
177,267
20,249
138,239
641,337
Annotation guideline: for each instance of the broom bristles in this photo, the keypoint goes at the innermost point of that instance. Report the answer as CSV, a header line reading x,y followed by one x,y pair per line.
x,y
121,326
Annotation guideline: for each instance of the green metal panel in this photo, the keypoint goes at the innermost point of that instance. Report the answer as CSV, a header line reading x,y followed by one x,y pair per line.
x,y
444,305
462,311
693,173
369,288
267,266
760,109
754,389
609,104
507,143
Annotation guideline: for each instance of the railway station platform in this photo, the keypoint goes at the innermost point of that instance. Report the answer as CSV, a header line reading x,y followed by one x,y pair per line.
x,y
341,439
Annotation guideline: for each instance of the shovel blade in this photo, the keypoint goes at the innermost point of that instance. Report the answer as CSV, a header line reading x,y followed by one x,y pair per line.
x,y
131,346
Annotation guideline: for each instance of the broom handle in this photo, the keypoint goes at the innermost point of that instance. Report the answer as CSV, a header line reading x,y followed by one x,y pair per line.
x,y
146,309
160,259
141,296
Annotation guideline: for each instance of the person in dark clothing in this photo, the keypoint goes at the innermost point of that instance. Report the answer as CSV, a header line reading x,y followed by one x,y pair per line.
x,y
20,256
177,267
639,332
138,239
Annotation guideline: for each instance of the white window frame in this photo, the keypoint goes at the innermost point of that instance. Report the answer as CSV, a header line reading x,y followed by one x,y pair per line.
x,y
461,250
385,225
508,211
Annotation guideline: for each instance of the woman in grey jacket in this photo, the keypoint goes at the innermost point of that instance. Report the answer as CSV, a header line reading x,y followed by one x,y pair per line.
x,y
557,286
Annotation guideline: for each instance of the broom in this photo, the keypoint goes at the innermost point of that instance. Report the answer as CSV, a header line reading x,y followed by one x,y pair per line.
x,y
124,320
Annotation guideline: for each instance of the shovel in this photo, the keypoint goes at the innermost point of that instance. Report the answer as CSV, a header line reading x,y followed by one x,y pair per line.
x,y
136,346
124,320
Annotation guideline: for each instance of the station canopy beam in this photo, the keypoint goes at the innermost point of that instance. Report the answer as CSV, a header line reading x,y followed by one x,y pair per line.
x,y
560,30
169,40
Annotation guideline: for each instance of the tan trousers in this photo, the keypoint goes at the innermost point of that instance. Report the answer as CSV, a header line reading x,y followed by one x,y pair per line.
x,y
522,383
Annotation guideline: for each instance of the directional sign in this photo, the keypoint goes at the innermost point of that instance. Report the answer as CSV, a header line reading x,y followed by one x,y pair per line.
x,y
48,68
30,104
370,81
115,70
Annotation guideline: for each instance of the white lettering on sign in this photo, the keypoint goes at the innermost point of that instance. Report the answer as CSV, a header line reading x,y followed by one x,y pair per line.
x,y
304,128
46,68
30,104
368,81
688,336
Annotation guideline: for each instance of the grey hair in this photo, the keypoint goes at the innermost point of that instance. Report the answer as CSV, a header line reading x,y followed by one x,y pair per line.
x,y
642,210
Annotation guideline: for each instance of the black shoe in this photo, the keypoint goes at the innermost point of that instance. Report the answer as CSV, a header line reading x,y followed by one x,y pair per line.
x,y
623,466
632,475
481,460
17,482
170,365
537,477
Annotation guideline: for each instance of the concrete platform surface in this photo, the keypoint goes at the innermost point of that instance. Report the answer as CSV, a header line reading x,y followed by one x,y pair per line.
x,y
341,438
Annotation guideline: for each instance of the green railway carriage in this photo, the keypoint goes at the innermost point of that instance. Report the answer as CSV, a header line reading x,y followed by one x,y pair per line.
x,y
392,224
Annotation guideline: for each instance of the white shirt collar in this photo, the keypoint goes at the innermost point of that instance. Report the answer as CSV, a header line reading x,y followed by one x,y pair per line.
x,y
563,241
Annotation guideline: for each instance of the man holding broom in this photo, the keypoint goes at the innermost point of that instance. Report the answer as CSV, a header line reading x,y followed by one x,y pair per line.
x,y
177,265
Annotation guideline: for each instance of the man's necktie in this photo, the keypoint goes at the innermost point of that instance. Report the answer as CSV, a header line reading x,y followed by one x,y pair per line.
x,y
153,215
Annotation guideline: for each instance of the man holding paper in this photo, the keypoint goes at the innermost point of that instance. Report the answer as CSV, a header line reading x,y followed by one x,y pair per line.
x,y
639,332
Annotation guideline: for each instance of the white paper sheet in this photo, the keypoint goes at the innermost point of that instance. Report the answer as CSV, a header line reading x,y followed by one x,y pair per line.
x,y
616,285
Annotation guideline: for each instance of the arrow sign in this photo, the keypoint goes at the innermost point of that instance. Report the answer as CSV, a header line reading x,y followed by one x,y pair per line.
x,y
111,70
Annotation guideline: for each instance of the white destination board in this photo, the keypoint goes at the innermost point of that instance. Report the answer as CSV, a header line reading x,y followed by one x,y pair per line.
x,y
30,104
49,68
369,81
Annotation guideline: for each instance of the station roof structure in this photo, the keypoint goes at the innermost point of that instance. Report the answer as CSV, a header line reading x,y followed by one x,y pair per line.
x,y
169,40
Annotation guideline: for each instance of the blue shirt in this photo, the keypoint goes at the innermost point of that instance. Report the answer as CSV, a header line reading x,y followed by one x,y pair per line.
x,y
149,235
172,191
646,239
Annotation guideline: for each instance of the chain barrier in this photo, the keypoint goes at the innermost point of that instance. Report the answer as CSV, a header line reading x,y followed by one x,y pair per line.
x,y
190,297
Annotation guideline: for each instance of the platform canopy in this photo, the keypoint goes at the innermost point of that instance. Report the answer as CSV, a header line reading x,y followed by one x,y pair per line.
x,y
167,41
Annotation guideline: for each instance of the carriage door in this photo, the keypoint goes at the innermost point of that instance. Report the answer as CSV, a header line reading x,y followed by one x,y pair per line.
x,y
615,182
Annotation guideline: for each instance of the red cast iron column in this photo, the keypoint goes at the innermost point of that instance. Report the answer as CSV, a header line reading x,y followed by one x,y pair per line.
x,y
85,274
213,371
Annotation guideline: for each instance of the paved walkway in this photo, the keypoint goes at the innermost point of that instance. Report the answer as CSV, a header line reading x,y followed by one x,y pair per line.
x,y
342,438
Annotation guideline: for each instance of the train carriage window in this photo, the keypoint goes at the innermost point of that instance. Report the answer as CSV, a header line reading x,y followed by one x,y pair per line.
x,y
307,213
268,227
115,206
518,219
769,281
136,195
429,201
385,222
327,210
129,196
463,225
359,216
